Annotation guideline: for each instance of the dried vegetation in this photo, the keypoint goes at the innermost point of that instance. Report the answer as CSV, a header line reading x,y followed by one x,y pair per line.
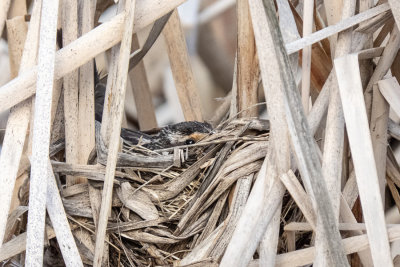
x,y
317,181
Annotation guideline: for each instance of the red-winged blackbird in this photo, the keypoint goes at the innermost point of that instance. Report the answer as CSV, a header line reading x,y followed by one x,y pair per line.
x,y
183,133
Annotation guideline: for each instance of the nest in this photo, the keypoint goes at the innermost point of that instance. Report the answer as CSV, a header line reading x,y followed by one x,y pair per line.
x,y
159,215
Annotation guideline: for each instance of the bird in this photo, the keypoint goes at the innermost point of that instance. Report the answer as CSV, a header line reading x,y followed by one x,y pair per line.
x,y
182,133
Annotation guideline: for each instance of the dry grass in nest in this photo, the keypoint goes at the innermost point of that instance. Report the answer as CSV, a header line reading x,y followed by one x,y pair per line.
x,y
174,217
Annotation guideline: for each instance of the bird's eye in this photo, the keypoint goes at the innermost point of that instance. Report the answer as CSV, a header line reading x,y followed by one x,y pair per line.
x,y
190,142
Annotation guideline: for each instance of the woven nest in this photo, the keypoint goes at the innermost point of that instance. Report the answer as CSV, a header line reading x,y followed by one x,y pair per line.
x,y
160,215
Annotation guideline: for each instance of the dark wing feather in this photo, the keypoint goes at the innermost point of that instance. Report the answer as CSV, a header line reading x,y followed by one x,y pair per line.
x,y
132,137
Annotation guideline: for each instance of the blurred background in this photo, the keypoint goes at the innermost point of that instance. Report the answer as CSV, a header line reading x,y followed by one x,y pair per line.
x,y
210,30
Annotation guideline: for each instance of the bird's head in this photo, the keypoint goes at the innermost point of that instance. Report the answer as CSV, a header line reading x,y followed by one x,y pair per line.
x,y
186,133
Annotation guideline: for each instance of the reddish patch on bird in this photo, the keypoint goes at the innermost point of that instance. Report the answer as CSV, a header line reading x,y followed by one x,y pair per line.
x,y
197,136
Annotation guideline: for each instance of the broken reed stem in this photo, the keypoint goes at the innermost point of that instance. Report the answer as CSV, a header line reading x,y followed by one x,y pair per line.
x,y
267,246
16,28
385,61
395,6
333,146
350,87
181,69
41,134
17,125
83,49
141,92
117,107
280,145
264,197
247,62
379,135
289,30
15,134
60,222
306,58
303,142
350,245
247,246
301,198
331,30
390,90
4,6
70,34
17,245
233,107
86,91
333,10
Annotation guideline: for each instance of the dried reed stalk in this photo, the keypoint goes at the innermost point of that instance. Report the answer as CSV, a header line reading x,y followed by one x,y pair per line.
x,y
395,6
333,11
340,26
71,89
247,71
17,127
306,55
363,157
383,66
86,126
117,94
198,204
379,136
60,223
261,35
181,69
289,30
333,147
82,50
4,6
141,92
41,134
